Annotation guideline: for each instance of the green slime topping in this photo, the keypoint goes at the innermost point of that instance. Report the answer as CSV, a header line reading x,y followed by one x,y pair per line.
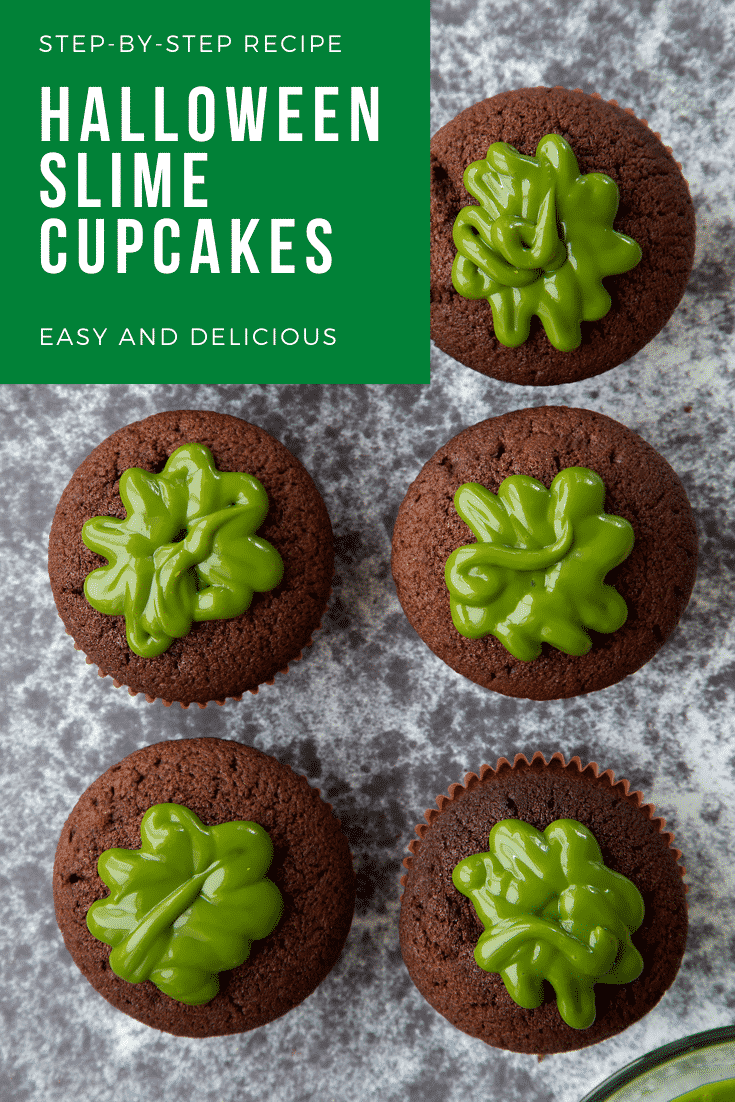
x,y
552,911
161,582
541,242
722,1091
188,904
536,574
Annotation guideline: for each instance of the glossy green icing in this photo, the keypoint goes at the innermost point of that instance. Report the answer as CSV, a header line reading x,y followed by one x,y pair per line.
x,y
187,904
724,1091
552,911
161,582
536,574
540,242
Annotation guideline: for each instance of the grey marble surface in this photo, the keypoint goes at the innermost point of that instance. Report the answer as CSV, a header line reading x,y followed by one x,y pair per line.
x,y
370,715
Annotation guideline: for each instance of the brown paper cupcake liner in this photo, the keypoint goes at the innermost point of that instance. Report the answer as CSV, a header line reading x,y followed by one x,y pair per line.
x,y
471,780
439,926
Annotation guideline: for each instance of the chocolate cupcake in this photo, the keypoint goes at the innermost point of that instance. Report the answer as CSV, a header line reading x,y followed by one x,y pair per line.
x,y
562,236
545,553
219,928
191,557
577,914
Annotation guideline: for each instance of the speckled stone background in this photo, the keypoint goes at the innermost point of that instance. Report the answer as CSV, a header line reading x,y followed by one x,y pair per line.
x,y
370,715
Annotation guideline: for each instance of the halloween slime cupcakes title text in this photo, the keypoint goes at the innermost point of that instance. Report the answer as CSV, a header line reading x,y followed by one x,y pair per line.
x,y
102,178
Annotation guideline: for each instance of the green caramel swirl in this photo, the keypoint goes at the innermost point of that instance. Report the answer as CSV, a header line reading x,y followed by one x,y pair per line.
x,y
185,552
552,911
536,574
187,904
540,242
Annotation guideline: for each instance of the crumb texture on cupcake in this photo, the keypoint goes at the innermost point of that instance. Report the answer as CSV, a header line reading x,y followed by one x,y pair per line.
x,y
218,658
655,580
439,928
219,781
655,210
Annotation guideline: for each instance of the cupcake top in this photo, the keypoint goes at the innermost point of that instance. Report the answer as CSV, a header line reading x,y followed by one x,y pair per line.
x,y
191,557
587,833
545,553
157,853
562,236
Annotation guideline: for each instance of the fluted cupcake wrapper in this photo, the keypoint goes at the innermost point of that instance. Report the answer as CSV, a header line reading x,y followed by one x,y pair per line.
x,y
471,780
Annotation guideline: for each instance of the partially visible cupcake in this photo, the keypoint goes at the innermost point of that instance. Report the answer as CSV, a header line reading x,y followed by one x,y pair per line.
x,y
539,894
228,887
545,553
191,557
562,236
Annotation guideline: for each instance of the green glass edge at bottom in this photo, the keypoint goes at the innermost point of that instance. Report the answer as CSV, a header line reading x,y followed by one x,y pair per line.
x,y
658,1057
